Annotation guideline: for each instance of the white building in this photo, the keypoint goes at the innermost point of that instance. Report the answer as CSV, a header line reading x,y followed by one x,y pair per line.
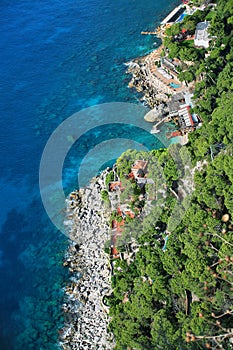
x,y
201,38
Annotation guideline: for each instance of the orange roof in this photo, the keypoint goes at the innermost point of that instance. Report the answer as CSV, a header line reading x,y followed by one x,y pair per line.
x,y
130,213
140,164
176,133
131,175
114,224
115,253
119,212
119,224
116,185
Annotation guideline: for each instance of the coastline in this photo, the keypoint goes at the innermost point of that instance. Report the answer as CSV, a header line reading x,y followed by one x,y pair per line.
x,y
86,316
82,332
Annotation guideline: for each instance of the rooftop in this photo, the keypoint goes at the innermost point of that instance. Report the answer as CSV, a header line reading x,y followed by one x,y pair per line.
x,y
185,117
115,186
201,34
140,164
174,103
139,168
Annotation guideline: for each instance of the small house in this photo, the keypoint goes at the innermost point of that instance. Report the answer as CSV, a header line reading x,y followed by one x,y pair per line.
x,y
139,169
201,38
115,186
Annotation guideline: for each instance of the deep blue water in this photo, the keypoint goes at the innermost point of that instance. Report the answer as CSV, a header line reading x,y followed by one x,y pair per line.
x,y
57,57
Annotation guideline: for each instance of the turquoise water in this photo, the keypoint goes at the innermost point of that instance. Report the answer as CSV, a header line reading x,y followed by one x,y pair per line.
x,y
181,17
57,58
175,86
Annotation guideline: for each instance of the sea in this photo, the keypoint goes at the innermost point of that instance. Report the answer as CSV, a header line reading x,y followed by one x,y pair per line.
x,y
57,58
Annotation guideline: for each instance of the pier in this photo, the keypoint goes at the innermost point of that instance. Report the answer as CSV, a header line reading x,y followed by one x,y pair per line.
x,y
155,129
149,33
174,15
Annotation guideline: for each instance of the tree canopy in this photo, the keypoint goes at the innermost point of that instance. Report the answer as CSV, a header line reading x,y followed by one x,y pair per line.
x,y
179,284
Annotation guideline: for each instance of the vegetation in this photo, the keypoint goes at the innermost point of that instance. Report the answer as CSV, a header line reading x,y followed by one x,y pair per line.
x,y
109,178
181,298
104,196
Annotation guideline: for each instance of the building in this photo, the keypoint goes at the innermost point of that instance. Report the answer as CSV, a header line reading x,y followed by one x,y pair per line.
x,y
201,38
142,181
139,169
115,186
169,64
185,119
174,104
114,254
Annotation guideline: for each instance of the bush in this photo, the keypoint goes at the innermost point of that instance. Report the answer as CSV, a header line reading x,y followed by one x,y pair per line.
x,y
109,178
104,195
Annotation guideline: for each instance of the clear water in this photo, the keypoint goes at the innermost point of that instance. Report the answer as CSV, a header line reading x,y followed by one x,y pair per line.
x,y
175,86
57,57
181,17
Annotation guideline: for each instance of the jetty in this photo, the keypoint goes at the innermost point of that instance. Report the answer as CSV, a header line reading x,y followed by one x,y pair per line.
x,y
149,33
155,129
174,14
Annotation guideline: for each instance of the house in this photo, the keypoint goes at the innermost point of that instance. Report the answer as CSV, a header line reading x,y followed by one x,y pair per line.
x,y
174,104
139,168
185,118
188,98
201,38
115,186
169,64
114,254
124,210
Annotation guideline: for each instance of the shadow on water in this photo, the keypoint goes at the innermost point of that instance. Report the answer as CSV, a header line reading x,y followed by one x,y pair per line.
x,y
12,242
32,277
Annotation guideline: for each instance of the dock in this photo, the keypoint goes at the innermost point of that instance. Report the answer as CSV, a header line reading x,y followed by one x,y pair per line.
x,y
149,33
173,14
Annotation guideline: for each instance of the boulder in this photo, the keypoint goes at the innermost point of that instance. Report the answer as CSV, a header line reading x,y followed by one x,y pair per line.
x,y
153,116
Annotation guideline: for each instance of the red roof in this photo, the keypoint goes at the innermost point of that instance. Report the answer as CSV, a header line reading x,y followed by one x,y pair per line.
x,y
114,186
115,253
131,175
175,133
130,213
139,164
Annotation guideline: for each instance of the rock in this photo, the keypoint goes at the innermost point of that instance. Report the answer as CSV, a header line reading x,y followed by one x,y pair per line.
x,y
153,115
89,230
225,217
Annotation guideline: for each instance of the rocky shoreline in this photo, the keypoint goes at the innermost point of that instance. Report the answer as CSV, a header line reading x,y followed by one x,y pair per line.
x,y
147,79
86,316
88,218
142,82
